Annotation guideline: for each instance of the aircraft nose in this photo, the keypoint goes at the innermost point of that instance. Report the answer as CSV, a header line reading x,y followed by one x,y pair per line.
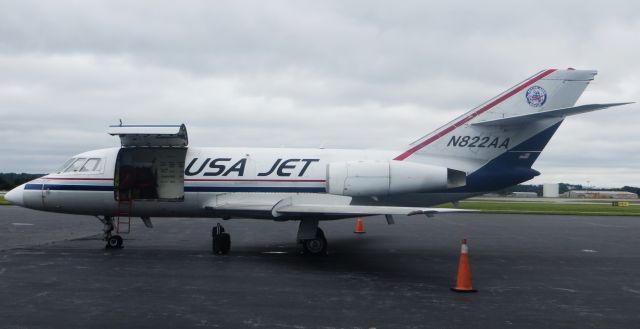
x,y
15,196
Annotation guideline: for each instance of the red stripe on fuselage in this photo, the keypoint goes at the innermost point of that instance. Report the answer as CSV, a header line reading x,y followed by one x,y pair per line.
x,y
467,118
75,178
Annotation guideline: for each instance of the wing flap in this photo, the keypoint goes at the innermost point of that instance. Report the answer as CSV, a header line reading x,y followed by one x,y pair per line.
x,y
557,113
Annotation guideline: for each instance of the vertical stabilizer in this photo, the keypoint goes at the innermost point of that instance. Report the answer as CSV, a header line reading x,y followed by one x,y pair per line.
x,y
476,145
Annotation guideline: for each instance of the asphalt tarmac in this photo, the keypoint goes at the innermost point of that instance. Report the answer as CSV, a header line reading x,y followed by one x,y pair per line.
x,y
531,272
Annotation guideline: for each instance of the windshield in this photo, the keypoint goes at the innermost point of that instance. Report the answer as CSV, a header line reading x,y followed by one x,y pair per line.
x,y
92,164
75,165
65,165
83,165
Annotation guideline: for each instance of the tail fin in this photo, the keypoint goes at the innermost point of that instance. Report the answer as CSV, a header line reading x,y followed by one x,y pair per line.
x,y
466,145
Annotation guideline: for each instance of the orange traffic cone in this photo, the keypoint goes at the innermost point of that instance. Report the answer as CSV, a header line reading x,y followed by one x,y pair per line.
x,y
463,283
359,227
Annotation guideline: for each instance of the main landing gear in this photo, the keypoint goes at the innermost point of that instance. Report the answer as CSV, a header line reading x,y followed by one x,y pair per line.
x,y
220,241
113,241
312,238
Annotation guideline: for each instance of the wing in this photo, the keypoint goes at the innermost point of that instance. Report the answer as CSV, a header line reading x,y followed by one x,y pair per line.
x,y
320,208
351,211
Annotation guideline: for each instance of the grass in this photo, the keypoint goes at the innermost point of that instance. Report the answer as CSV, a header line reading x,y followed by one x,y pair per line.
x,y
3,201
547,208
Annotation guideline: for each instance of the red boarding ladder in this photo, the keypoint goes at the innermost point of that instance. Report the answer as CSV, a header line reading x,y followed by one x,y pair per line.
x,y
124,215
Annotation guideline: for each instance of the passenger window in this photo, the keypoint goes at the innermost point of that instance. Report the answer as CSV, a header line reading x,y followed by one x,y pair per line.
x,y
91,165
76,165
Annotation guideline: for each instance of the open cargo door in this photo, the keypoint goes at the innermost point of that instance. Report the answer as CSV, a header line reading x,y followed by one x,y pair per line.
x,y
151,135
150,164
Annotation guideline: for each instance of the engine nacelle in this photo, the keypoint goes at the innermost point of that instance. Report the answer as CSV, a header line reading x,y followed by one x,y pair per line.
x,y
379,178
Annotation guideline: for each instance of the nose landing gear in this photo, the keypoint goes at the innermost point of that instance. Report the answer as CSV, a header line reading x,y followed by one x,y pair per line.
x,y
113,241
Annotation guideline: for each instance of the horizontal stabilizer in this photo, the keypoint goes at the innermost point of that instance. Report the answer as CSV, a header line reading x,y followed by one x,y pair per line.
x,y
557,113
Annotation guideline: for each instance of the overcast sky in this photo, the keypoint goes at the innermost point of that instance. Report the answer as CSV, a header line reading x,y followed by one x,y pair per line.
x,y
346,74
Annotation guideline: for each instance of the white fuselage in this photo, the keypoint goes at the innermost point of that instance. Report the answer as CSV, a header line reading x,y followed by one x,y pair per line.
x,y
211,176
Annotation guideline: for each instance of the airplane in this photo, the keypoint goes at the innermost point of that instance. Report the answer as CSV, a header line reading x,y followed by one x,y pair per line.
x,y
154,173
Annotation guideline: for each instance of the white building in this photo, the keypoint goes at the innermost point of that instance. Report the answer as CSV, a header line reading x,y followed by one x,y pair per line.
x,y
551,190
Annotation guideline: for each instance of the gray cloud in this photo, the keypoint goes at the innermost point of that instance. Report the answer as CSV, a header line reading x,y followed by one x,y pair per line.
x,y
370,74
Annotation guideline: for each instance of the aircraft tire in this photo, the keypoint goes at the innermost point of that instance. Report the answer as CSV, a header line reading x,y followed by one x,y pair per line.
x,y
114,242
221,244
317,246
226,243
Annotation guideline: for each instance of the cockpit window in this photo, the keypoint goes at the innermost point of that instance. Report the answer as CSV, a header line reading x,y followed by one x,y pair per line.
x,y
91,165
65,165
83,165
76,165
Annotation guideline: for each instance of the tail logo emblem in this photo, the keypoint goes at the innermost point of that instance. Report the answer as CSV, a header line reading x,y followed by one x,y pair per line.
x,y
536,96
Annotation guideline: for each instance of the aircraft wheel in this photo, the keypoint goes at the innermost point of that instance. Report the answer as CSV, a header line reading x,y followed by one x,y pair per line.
x,y
114,242
221,244
220,241
317,246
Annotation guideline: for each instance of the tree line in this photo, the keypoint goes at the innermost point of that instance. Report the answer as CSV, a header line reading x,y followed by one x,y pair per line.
x,y
11,180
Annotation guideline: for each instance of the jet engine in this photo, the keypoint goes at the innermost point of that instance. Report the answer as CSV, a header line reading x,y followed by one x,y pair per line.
x,y
379,178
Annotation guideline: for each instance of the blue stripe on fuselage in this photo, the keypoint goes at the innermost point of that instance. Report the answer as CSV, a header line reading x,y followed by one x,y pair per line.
x,y
64,187
33,187
280,189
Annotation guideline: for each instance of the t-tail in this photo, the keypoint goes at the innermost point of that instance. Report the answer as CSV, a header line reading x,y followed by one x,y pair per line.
x,y
497,142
